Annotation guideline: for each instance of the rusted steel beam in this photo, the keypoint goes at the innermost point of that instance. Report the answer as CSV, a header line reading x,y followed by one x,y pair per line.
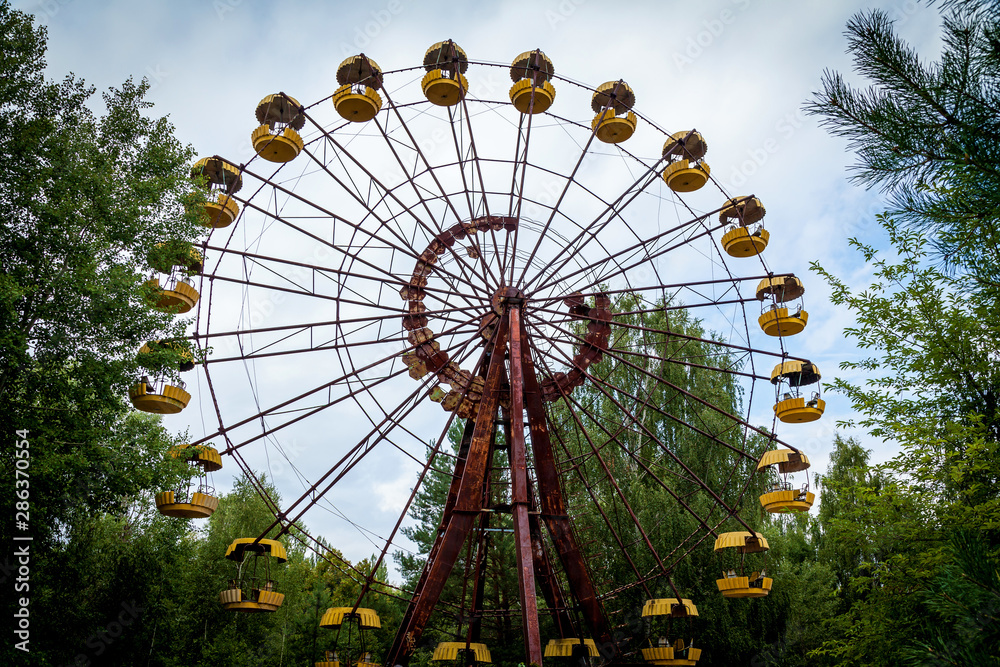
x,y
548,581
545,575
463,512
553,507
597,504
475,614
519,495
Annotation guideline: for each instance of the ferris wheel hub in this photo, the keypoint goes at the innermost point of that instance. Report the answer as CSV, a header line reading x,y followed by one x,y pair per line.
x,y
505,297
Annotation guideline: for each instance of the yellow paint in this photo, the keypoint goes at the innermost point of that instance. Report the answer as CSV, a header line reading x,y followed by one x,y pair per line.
x,y
683,176
739,242
532,99
778,322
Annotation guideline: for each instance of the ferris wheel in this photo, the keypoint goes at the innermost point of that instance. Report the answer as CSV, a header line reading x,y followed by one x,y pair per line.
x,y
413,255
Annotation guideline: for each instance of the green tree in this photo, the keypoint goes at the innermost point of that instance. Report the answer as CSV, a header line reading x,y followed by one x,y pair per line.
x,y
962,608
926,134
83,200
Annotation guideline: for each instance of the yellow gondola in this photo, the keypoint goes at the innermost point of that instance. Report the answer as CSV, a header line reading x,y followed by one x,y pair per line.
x,y
445,84
612,102
222,181
180,356
686,170
458,650
176,295
361,618
792,406
158,397
532,92
365,618
669,647
570,647
357,98
330,659
782,497
254,589
776,318
735,583
277,138
166,257
744,234
181,502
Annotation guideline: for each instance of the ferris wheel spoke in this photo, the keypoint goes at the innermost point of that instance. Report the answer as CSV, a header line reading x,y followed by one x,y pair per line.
x,y
638,289
610,478
616,354
329,323
313,295
469,191
386,191
349,253
301,534
358,452
326,346
594,228
641,248
402,249
520,163
708,341
555,207
633,427
324,387
489,279
650,357
485,202
349,378
435,451
327,272
415,145
607,390
320,549
487,276
646,257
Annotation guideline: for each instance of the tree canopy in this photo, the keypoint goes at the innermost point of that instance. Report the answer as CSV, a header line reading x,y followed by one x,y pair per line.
x,y
908,539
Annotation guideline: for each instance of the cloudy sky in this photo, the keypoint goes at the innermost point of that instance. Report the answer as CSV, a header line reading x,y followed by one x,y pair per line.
x,y
737,70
